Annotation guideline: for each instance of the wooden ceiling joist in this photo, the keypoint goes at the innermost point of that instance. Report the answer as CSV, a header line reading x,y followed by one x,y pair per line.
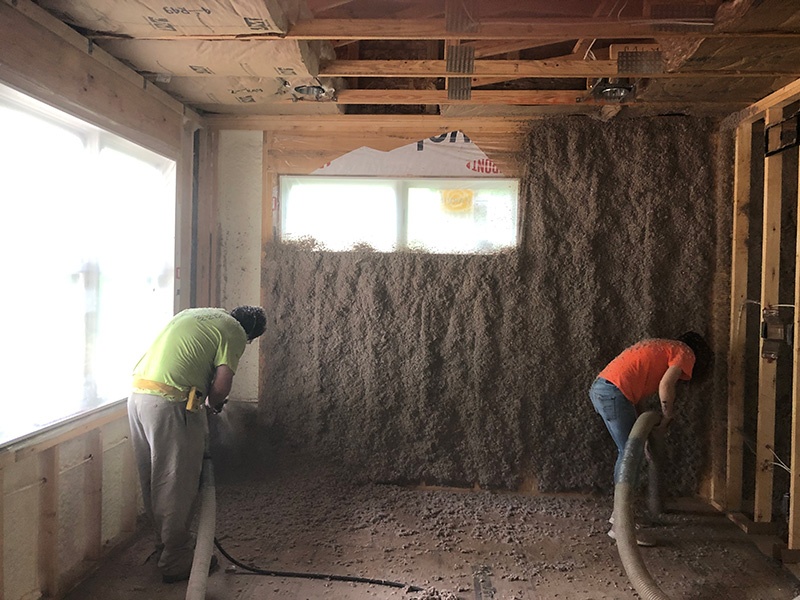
x,y
341,124
509,97
482,68
486,48
554,68
522,28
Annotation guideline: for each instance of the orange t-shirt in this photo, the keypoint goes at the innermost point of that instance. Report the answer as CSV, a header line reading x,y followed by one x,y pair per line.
x,y
639,369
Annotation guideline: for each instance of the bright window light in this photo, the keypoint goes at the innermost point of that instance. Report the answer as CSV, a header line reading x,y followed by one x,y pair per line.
x,y
87,244
340,214
430,215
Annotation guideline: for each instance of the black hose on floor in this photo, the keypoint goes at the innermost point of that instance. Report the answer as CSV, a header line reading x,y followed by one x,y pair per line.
x,y
347,578
624,525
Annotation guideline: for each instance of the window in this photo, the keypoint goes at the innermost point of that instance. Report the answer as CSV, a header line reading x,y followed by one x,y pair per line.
x,y
431,215
87,244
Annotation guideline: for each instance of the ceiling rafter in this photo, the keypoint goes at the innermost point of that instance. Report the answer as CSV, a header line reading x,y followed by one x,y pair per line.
x,y
516,29
516,69
484,97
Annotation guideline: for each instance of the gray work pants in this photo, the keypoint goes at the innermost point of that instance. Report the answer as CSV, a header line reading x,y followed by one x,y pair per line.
x,y
168,443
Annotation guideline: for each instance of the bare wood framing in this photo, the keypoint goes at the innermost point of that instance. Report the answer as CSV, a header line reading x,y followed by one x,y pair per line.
x,y
484,48
779,99
738,316
130,496
563,67
88,89
48,522
184,189
767,384
216,287
583,46
506,97
505,29
794,459
93,494
269,183
68,34
426,125
58,435
482,68
206,220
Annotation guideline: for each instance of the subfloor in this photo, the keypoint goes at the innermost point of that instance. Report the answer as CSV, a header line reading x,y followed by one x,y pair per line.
x,y
451,544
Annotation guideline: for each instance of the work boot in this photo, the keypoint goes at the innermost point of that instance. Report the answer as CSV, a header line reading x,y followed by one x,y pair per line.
x,y
642,537
184,576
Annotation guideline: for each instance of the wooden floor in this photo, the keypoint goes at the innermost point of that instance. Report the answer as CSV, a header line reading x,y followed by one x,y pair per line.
x,y
452,544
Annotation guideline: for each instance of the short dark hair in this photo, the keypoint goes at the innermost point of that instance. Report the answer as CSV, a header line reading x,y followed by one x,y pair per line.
x,y
703,355
253,320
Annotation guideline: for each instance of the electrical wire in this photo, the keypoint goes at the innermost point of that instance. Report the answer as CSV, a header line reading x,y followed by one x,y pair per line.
x,y
750,446
347,578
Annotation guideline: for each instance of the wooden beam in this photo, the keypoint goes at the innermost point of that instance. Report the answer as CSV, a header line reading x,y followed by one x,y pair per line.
x,y
507,97
269,195
516,29
206,242
794,459
498,97
482,68
184,201
70,430
49,568
564,67
770,278
583,46
93,494
738,316
56,72
485,48
129,507
327,125
779,99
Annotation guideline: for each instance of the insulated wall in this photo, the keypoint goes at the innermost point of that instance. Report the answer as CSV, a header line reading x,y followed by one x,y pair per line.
x,y
475,369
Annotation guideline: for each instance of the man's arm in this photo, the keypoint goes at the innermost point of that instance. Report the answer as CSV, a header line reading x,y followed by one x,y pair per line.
x,y
220,387
666,393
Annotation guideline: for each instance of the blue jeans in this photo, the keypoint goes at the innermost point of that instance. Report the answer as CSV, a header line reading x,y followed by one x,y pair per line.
x,y
618,414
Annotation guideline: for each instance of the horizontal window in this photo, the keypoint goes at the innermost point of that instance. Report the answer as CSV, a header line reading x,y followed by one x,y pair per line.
x,y
431,215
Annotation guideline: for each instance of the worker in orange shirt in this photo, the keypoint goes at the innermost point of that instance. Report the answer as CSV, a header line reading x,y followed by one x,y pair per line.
x,y
648,367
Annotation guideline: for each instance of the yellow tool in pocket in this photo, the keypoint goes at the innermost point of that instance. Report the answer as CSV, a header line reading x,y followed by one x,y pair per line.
x,y
194,400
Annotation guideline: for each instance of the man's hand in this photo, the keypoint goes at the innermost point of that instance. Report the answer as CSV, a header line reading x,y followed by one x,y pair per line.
x,y
216,408
220,388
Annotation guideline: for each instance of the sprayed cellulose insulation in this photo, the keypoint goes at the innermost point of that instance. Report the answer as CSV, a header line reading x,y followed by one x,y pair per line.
x,y
465,369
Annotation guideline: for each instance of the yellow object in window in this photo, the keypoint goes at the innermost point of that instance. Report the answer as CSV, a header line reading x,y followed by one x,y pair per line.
x,y
457,201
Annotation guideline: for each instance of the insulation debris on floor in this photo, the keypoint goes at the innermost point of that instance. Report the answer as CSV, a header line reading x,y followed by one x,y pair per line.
x,y
443,544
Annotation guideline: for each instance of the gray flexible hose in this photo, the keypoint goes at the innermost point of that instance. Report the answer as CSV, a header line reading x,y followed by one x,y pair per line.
x,y
624,525
198,579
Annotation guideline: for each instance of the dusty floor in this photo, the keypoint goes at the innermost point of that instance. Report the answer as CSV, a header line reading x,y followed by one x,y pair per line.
x,y
453,544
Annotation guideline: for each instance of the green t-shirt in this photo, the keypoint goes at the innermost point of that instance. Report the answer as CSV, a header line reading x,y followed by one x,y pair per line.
x,y
189,349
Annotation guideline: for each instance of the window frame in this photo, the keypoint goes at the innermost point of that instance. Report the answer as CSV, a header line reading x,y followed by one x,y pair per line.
x,y
401,186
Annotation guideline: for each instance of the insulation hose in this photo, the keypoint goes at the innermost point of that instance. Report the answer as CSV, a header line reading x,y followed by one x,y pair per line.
x,y
352,579
624,525
204,548
655,498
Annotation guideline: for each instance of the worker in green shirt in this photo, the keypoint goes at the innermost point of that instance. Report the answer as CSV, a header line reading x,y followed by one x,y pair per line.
x,y
188,368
